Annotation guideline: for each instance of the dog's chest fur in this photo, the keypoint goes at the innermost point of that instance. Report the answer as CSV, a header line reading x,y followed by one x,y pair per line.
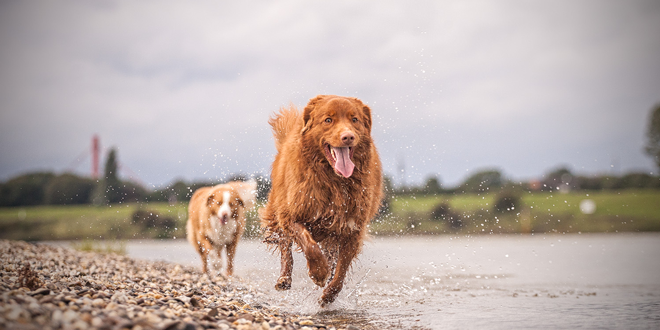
x,y
218,233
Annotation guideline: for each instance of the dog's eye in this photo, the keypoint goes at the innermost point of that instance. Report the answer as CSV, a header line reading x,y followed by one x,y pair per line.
x,y
328,120
355,120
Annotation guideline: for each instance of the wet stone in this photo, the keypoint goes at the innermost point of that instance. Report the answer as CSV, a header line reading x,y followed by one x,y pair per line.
x,y
245,316
195,302
42,291
213,312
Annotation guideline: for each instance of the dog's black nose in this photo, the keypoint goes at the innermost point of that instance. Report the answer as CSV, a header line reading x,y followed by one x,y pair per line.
x,y
347,138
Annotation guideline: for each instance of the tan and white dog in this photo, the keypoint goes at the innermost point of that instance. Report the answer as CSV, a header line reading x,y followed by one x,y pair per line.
x,y
216,219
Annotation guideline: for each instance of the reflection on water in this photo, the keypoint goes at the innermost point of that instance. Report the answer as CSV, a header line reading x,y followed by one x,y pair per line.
x,y
540,281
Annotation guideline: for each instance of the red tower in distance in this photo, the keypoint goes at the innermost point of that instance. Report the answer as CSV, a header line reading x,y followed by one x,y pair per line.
x,y
95,157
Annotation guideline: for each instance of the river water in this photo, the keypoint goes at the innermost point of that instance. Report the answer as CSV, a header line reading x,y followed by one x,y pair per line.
x,y
592,281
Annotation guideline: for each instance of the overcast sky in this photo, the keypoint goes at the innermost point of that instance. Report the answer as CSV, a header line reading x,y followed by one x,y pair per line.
x,y
184,89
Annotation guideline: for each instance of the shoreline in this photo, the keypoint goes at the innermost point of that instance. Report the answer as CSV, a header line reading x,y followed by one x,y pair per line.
x,y
46,286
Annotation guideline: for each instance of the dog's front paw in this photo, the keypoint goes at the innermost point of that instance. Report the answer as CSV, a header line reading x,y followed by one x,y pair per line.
x,y
283,283
329,295
319,271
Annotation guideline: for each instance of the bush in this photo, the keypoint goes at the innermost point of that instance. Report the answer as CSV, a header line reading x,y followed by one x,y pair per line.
x,y
561,178
67,189
507,202
432,186
107,192
638,180
385,208
263,187
482,181
590,183
146,219
27,189
178,191
442,212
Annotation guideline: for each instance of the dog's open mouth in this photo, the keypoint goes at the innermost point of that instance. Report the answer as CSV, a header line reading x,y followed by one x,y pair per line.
x,y
340,159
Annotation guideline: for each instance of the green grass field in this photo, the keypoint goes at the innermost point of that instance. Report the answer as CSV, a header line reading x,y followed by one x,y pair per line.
x,y
84,221
629,210
616,211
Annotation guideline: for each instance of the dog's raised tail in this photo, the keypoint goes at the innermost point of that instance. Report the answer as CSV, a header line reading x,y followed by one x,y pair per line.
x,y
283,122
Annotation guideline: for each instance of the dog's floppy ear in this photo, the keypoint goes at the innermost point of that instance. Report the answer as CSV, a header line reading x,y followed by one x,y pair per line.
x,y
239,201
211,200
307,113
367,113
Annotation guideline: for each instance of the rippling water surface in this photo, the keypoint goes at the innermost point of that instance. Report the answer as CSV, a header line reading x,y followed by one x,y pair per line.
x,y
596,281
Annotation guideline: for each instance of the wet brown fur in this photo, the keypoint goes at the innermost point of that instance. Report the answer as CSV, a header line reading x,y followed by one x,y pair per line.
x,y
325,214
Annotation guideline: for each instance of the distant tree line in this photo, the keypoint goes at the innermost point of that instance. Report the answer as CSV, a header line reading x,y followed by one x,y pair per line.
x,y
47,188
562,179
183,191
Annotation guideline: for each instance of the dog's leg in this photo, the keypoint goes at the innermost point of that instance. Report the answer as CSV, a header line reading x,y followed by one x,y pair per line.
x,y
317,265
284,282
348,249
231,252
204,248
331,251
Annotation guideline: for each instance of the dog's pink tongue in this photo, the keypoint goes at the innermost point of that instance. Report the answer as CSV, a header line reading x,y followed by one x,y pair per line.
x,y
344,165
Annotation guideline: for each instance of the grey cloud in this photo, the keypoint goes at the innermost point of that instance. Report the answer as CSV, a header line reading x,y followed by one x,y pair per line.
x,y
185,89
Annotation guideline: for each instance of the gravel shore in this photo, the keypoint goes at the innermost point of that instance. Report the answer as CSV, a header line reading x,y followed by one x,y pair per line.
x,y
51,287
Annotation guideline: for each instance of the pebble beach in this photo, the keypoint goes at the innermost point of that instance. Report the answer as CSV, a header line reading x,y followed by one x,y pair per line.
x,y
54,287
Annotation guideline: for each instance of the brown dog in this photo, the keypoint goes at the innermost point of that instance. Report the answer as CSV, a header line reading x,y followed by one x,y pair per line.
x,y
326,188
216,219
